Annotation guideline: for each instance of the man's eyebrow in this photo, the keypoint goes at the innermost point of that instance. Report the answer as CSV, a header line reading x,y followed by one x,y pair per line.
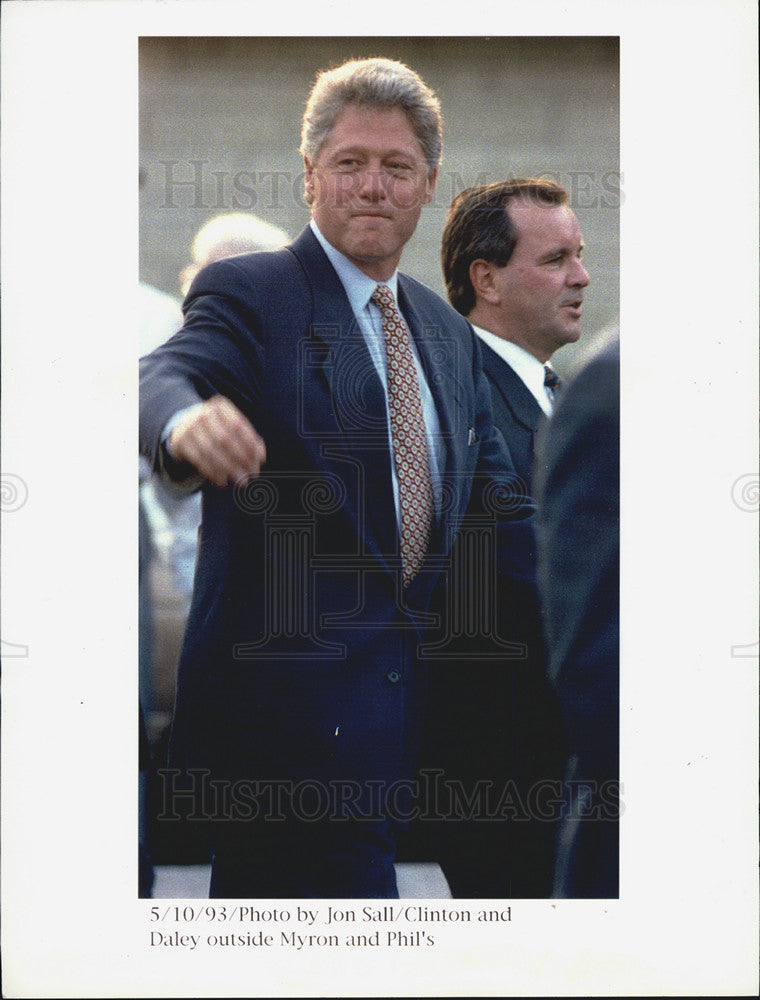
x,y
358,147
562,250
349,147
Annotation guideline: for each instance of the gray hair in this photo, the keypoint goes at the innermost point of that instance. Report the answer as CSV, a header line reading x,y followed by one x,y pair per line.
x,y
375,83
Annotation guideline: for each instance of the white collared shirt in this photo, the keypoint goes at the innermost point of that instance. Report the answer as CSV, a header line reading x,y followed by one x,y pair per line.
x,y
359,288
524,364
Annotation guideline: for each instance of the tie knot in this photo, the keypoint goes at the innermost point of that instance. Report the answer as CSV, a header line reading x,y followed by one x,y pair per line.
x,y
551,378
383,297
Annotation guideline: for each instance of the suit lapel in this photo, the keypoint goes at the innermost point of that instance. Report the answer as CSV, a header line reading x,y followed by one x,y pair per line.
x,y
437,355
516,395
355,391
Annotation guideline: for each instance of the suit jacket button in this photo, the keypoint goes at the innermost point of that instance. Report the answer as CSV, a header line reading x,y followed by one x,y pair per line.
x,y
393,676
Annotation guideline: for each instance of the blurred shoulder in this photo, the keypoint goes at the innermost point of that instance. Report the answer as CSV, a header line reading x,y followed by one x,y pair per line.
x,y
249,271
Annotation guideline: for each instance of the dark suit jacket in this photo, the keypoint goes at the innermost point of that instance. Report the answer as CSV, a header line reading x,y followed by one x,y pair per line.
x,y
301,654
515,410
578,490
494,718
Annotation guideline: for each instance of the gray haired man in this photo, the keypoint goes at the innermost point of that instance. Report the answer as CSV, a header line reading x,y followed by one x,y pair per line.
x,y
335,415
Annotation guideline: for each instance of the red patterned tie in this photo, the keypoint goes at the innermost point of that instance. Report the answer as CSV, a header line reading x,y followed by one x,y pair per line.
x,y
408,436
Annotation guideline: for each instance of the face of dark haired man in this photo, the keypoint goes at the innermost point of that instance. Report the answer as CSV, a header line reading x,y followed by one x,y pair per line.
x,y
367,186
539,292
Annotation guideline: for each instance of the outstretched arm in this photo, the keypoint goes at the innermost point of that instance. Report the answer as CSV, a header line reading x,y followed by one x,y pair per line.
x,y
200,391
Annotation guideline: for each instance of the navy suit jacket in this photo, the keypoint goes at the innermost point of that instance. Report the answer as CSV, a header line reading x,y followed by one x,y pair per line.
x,y
503,726
301,657
516,412
577,480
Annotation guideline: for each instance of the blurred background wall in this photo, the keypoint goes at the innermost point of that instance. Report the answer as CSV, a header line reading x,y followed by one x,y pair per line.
x,y
220,129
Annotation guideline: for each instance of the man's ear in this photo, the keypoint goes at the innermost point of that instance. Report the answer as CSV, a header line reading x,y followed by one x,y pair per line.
x,y
482,279
309,180
429,194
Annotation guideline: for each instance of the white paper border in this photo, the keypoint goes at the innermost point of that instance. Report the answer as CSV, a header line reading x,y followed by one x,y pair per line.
x,y
687,919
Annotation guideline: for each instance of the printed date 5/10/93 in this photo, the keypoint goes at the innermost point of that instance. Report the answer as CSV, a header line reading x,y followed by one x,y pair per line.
x,y
207,914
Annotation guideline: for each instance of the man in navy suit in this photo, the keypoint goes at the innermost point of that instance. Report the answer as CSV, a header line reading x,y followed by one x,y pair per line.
x,y
511,254
335,415
578,487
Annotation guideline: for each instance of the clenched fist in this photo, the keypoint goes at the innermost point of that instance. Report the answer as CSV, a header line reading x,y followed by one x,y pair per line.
x,y
219,441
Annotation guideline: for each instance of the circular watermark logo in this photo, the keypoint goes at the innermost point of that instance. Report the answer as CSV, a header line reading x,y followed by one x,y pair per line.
x,y
13,493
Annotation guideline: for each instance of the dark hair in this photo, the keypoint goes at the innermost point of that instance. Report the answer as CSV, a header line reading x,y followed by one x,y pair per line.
x,y
478,227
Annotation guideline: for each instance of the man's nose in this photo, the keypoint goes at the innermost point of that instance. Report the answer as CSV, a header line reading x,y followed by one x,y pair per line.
x,y
370,184
578,275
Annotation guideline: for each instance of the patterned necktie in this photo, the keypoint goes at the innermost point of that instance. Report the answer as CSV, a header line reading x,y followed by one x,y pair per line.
x,y
408,436
551,379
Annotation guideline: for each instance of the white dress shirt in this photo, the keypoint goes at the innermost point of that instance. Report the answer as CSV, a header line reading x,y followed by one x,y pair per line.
x,y
524,364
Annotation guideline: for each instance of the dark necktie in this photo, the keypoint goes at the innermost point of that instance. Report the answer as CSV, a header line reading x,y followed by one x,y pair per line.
x,y
408,436
551,379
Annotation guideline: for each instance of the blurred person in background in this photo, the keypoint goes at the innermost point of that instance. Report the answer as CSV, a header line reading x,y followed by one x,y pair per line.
x,y
228,235
159,316
169,524
577,477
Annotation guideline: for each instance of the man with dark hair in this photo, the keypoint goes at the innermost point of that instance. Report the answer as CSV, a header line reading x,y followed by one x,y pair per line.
x,y
335,414
512,259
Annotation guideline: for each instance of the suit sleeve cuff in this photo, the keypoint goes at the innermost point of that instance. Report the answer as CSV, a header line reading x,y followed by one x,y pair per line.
x,y
180,475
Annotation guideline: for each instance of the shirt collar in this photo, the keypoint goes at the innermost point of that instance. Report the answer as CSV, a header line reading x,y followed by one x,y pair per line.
x,y
525,365
358,285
